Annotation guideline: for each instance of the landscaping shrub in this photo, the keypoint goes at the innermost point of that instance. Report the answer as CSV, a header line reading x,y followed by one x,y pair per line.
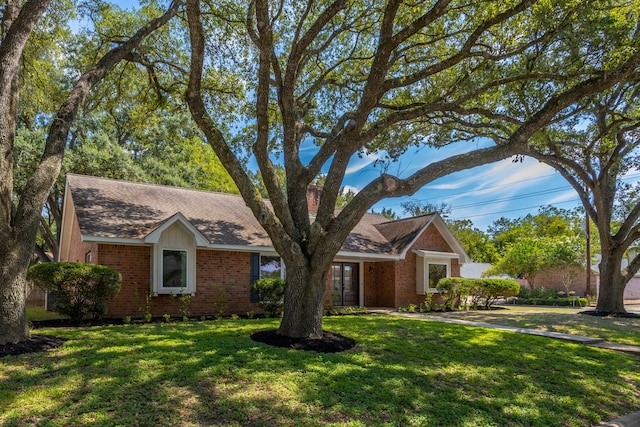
x,y
81,289
455,290
493,289
482,291
561,302
270,294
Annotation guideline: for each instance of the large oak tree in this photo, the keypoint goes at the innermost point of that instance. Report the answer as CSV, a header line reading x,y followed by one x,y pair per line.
x,y
357,77
20,214
594,157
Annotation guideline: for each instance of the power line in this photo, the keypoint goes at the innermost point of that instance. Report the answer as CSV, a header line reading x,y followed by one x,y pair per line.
x,y
512,210
520,196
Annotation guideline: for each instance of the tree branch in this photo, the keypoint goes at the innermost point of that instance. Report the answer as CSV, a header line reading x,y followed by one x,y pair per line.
x,y
44,176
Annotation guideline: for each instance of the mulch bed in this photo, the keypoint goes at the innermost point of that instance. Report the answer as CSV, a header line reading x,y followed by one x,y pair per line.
x,y
329,343
34,344
610,314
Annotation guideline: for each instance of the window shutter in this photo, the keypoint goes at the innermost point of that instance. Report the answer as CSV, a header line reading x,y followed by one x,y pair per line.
x,y
255,273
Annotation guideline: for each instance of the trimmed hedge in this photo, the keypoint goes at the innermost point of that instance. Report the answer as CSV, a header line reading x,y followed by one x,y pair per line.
x,y
270,294
482,291
561,302
81,289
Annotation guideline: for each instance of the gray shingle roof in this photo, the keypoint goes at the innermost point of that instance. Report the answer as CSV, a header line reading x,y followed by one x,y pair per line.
x,y
108,208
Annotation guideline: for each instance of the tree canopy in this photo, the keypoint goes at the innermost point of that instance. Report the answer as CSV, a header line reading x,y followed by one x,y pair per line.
x,y
595,155
353,78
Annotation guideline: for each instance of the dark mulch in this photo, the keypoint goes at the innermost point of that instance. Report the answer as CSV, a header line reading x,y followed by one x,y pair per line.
x,y
34,344
610,314
68,323
329,343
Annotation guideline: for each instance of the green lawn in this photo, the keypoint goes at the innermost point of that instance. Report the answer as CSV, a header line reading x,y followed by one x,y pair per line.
x,y
402,372
38,313
565,320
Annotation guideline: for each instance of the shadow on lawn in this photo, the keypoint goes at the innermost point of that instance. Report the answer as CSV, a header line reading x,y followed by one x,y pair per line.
x,y
401,372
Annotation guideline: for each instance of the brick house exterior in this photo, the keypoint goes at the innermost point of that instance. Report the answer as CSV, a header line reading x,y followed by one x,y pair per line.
x,y
141,230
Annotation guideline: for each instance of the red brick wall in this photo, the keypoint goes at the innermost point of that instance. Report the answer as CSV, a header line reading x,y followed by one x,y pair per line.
x,y
222,283
134,263
77,248
385,273
405,277
553,279
369,278
226,272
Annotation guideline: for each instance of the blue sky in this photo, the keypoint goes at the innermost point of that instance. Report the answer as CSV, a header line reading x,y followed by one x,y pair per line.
x,y
482,194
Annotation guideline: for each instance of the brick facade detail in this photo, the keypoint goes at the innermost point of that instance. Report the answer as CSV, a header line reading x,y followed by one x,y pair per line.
x,y
79,250
222,283
223,278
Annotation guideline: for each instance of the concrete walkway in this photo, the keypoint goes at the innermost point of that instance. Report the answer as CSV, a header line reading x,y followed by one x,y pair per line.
x,y
630,420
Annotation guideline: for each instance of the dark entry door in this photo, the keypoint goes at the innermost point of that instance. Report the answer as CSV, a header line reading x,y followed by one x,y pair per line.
x,y
345,283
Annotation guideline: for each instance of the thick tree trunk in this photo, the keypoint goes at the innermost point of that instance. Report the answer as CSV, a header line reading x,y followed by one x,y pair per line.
x,y
18,230
14,261
303,300
612,283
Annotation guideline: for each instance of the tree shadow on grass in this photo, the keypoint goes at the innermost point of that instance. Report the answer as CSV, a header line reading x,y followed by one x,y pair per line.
x,y
401,372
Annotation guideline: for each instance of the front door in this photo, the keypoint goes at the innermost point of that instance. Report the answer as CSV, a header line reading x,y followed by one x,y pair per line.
x,y
345,283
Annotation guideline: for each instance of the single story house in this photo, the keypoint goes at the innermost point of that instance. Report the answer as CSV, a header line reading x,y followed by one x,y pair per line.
x,y
168,241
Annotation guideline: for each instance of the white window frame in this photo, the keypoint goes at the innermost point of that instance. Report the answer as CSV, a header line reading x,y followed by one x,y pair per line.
x,y
159,288
186,268
422,272
447,265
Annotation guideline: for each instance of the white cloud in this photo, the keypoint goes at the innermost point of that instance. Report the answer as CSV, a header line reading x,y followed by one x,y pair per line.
x,y
358,163
348,188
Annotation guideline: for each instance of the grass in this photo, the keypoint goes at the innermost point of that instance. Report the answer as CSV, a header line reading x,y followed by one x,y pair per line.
x,y
565,320
39,313
402,372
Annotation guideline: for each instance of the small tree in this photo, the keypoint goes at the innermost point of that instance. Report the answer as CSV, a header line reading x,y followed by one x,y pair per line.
x,y
525,258
81,289
270,294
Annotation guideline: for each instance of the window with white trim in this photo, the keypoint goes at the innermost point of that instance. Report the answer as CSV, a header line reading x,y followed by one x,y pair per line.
x,y
429,271
174,268
436,272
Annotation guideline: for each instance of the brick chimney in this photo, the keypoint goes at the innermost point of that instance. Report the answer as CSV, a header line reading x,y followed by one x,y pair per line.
x,y
313,198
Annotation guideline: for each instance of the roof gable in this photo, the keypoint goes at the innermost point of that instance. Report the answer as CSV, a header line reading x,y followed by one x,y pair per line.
x,y
403,233
129,212
155,235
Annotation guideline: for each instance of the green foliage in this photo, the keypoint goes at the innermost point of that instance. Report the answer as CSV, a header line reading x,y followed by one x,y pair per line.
x,y
490,290
416,208
528,256
342,311
270,294
550,222
219,302
476,243
483,292
560,302
185,304
387,213
81,289
454,290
